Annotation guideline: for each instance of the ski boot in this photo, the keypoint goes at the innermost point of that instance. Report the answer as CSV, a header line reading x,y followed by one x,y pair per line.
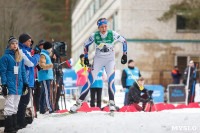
x,y
76,106
112,107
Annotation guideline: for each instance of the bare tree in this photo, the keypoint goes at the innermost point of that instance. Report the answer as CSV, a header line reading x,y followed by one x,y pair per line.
x,y
17,17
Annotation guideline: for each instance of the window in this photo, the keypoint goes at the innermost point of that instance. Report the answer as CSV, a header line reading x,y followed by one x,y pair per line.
x,y
184,24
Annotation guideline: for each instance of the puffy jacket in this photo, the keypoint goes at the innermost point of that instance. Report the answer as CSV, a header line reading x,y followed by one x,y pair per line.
x,y
30,62
81,73
13,81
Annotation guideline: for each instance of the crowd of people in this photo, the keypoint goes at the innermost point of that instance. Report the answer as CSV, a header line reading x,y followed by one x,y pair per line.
x,y
25,71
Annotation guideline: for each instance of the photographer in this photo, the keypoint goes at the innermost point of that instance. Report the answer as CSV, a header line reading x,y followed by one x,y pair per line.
x,y
134,95
14,83
45,76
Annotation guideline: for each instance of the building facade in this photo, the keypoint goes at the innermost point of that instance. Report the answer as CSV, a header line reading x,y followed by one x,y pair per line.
x,y
156,46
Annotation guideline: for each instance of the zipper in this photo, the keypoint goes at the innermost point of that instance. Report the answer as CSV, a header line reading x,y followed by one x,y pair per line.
x,y
17,79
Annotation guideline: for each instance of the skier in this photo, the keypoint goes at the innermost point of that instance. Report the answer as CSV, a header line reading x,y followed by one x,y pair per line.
x,y
104,57
134,95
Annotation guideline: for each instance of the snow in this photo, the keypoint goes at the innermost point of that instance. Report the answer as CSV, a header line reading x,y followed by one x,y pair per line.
x,y
167,121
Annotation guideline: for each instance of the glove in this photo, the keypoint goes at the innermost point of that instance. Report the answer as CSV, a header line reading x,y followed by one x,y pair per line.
x,y
124,59
25,89
86,61
4,91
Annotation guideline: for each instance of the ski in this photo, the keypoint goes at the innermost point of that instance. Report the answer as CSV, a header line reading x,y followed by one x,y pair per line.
x,y
111,113
66,114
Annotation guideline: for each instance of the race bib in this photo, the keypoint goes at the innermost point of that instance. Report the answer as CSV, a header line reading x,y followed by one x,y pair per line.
x,y
16,69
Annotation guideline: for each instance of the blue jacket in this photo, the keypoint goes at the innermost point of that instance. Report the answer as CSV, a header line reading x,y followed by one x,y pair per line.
x,y
98,83
7,73
29,62
45,74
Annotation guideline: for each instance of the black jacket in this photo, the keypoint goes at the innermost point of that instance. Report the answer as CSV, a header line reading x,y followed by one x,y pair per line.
x,y
191,76
134,94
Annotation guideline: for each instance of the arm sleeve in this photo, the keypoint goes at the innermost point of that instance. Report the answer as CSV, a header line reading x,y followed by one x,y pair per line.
x,y
24,76
43,64
3,70
123,78
87,44
121,39
28,59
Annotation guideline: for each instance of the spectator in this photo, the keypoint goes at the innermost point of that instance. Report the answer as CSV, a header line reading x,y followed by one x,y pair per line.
x,y
176,75
81,73
37,90
127,78
190,79
134,95
45,76
30,62
14,83
96,88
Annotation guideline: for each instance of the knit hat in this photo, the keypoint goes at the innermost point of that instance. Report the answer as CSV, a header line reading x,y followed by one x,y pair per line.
x,y
130,61
41,42
47,45
24,37
11,40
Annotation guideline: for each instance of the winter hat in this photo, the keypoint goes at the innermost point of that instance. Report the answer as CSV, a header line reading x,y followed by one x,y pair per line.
x,y
41,42
191,61
130,61
11,40
24,37
47,45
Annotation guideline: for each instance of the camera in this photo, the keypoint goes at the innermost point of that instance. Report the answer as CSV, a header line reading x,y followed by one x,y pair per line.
x,y
60,49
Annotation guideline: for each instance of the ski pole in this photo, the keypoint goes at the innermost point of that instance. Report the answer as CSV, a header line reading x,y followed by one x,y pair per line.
x,y
187,86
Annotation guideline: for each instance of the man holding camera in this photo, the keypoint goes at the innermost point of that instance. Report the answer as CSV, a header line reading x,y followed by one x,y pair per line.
x,y
134,95
30,62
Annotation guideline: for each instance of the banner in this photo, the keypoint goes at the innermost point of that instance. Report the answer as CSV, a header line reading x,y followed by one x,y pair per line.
x,y
69,79
176,93
158,92
197,93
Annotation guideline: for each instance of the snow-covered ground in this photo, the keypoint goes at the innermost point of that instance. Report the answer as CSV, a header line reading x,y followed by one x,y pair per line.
x,y
168,121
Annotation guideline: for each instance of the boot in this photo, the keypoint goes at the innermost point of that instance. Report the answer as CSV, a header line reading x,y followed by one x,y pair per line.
x,y
9,125
112,105
76,106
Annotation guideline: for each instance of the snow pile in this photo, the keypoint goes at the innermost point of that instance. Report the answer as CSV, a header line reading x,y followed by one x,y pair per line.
x,y
167,121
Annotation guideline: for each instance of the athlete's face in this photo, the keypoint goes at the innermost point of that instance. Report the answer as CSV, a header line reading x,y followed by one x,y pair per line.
x,y
103,28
